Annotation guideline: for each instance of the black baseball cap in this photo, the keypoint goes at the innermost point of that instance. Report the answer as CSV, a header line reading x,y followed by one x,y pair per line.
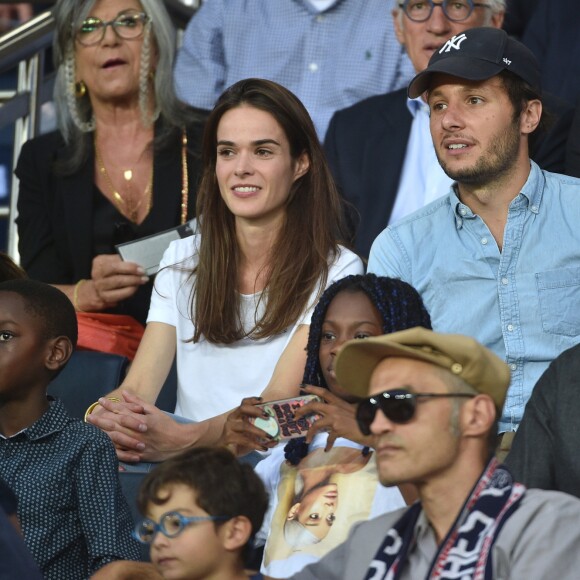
x,y
478,54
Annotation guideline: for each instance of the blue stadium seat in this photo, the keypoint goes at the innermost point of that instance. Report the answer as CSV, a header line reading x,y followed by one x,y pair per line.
x,y
87,376
90,375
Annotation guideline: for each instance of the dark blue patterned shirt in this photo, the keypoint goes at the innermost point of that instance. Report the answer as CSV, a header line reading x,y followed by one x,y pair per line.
x,y
74,516
8,500
15,558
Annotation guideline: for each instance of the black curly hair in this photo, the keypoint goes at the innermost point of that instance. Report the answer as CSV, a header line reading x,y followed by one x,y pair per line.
x,y
48,304
399,305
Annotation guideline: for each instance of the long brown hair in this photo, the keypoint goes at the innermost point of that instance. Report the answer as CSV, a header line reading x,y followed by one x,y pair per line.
x,y
307,240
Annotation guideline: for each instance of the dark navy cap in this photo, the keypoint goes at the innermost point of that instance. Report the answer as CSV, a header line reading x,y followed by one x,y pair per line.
x,y
478,54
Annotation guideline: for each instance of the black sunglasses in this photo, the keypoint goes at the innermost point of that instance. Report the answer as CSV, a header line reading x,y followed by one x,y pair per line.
x,y
398,405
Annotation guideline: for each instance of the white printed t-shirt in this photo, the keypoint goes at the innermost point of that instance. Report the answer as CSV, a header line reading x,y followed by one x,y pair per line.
x,y
354,494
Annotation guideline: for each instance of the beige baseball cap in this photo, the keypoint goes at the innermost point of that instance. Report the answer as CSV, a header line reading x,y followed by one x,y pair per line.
x,y
461,355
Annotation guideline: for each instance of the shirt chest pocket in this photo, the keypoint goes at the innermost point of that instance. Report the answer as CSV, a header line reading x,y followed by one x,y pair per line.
x,y
559,299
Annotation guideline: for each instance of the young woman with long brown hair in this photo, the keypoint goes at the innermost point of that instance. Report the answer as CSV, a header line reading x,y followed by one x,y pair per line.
x,y
234,302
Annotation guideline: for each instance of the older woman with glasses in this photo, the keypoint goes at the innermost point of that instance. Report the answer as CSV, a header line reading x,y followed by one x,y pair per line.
x,y
122,165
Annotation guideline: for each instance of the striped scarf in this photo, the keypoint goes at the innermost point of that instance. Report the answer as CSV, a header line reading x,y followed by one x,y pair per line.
x,y
466,550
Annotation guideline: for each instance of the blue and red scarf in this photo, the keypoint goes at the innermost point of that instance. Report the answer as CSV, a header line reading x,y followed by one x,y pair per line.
x,y
466,550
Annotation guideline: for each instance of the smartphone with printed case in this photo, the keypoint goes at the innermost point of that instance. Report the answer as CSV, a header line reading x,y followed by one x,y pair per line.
x,y
280,423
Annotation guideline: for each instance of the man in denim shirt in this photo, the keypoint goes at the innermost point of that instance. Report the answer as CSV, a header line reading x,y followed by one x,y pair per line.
x,y
498,257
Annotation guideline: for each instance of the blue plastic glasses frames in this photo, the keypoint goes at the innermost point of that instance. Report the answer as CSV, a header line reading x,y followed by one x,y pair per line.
x,y
171,524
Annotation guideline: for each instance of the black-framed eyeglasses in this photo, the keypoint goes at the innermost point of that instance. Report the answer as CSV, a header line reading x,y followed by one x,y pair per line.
x,y
170,524
398,405
127,25
454,10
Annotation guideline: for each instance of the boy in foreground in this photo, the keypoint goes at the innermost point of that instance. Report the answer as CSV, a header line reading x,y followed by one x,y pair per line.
x,y
202,510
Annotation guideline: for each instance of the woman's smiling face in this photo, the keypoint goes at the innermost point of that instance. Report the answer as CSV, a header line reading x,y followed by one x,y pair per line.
x,y
254,168
317,509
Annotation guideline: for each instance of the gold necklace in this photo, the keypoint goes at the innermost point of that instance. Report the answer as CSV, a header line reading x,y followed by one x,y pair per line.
x,y
127,207
184,178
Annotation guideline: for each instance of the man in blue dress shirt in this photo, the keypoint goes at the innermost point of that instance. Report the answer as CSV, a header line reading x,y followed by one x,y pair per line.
x,y
497,257
330,53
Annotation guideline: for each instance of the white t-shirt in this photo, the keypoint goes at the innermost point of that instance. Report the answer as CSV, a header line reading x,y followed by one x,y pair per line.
x,y
358,496
213,378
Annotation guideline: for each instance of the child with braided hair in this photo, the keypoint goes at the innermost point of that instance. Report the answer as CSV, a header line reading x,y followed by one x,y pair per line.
x,y
399,306
393,304
321,486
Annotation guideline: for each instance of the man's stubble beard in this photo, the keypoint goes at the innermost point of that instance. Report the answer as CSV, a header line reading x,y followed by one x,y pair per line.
x,y
498,159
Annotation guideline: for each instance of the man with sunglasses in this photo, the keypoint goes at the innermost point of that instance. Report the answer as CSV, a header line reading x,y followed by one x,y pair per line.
x,y
380,149
431,402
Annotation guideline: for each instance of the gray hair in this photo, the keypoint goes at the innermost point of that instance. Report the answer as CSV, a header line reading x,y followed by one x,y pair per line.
x,y
497,5
74,116
456,384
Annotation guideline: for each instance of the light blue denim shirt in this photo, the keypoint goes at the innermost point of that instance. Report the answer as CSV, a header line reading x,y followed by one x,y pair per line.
x,y
523,302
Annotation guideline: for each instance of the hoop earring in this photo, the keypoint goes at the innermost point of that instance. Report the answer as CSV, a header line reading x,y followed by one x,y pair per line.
x,y
80,89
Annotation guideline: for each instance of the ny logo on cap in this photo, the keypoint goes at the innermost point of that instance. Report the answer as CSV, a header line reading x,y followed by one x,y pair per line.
x,y
453,42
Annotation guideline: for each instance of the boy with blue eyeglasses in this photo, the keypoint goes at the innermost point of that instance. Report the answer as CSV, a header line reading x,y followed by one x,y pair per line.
x,y
202,510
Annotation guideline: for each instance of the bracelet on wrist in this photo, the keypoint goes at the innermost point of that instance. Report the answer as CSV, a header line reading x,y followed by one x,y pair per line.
x,y
75,299
92,406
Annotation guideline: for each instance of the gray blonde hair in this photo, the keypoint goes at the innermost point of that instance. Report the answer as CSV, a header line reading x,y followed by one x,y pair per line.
x,y
74,116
